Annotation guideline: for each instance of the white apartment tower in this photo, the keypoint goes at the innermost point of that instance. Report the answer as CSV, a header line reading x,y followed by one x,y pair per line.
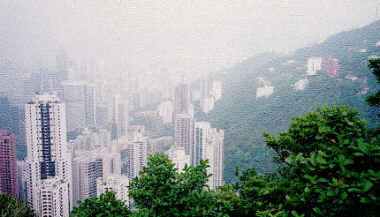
x,y
48,159
139,150
53,198
208,144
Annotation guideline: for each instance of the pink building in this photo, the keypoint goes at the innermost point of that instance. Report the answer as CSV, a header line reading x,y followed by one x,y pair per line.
x,y
8,164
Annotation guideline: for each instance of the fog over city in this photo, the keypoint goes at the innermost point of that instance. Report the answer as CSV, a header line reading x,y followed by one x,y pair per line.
x,y
189,108
190,37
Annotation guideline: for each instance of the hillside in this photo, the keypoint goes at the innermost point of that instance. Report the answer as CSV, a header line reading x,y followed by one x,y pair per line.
x,y
264,92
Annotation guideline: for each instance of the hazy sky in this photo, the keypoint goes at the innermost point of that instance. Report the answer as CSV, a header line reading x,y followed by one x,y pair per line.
x,y
144,36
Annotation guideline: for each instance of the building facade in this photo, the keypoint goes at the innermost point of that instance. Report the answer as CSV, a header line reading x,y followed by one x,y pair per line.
x,y
85,170
8,163
208,144
184,131
48,159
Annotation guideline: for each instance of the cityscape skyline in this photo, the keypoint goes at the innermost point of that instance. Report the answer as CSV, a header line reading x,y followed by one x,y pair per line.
x,y
239,100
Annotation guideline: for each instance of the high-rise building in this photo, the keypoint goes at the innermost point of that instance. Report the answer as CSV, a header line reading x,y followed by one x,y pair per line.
x,y
8,165
216,152
48,160
181,99
120,115
74,95
184,131
165,112
139,150
204,91
208,144
201,132
80,100
90,105
52,197
21,180
117,183
86,169
111,162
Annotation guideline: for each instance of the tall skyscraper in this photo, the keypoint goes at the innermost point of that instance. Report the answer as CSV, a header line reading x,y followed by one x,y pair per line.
x,y
184,131
215,151
90,105
74,95
120,116
201,132
204,90
208,144
8,164
48,160
181,99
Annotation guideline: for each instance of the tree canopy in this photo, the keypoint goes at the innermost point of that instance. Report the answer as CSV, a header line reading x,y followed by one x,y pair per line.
x,y
330,166
106,206
162,190
10,207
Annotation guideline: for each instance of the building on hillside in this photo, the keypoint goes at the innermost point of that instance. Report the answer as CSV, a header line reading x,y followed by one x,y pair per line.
x,y
331,66
314,64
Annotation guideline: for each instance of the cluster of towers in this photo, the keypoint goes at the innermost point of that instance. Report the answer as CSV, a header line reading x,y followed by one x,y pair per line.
x,y
195,140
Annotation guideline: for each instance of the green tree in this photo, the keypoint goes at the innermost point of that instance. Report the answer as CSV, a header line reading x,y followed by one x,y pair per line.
x,y
329,166
10,207
161,190
105,205
374,99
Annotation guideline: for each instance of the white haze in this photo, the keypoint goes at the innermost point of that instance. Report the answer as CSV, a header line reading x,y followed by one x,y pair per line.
x,y
137,36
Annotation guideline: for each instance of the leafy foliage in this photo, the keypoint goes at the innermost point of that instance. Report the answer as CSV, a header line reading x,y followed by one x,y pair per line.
x,y
10,207
330,166
105,205
161,190
374,99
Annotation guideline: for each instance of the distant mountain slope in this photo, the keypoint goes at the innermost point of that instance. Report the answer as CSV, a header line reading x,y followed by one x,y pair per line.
x,y
266,91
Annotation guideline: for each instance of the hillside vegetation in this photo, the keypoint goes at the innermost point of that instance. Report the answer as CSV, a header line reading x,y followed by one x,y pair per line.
x,y
244,116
